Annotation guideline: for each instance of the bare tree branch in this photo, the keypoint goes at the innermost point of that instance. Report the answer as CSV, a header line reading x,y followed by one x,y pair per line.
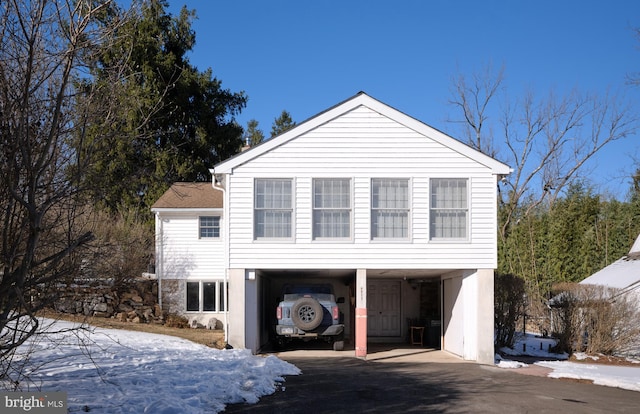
x,y
44,45
546,141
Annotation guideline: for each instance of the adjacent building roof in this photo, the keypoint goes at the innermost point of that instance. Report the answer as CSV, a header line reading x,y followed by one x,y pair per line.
x,y
190,195
622,274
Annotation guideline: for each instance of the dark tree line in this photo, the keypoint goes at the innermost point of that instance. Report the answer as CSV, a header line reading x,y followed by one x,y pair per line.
x,y
579,234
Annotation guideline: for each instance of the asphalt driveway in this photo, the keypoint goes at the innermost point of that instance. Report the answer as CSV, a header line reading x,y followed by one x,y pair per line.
x,y
426,381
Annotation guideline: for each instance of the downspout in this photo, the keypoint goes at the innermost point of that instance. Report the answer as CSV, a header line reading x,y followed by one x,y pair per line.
x,y
218,185
159,257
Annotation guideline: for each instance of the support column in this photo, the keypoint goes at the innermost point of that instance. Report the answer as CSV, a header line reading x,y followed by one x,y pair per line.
x,y
361,313
486,352
237,309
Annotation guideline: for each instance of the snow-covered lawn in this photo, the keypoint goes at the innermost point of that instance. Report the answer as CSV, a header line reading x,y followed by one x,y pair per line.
x,y
132,372
626,377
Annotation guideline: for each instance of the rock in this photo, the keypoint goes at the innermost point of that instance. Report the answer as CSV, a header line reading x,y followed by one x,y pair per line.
x,y
136,320
196,325
125,308
100,307
148,298
214,323
121,316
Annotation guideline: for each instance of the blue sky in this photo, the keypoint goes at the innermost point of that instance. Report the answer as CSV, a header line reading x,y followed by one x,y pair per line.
x,y
306,56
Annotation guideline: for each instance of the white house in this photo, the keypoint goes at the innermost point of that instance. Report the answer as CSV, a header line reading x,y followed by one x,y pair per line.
x,y
190,263
400,218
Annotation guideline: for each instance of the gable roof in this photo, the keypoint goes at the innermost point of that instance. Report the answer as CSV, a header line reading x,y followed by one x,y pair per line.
x,y
190,195
624,273
362,99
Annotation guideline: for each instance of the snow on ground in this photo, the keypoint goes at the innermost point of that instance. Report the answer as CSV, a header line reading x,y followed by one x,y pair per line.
x,y
626,377
607,375
133,372
122,371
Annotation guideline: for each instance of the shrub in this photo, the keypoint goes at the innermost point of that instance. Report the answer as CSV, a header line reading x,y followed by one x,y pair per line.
x,y
509,294
176,321
595,319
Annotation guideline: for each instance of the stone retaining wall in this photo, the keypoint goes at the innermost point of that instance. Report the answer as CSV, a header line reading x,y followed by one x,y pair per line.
x,y
136,303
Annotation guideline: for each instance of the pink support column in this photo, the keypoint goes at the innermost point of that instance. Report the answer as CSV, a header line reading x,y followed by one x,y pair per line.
x,y
361,332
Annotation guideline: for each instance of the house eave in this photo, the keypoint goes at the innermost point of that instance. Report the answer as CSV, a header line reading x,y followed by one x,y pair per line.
x,y
186,210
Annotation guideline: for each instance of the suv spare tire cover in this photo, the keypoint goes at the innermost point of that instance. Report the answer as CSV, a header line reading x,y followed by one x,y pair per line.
x,y
307,313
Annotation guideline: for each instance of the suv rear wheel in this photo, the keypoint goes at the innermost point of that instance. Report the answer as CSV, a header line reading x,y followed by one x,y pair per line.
x,y
306,313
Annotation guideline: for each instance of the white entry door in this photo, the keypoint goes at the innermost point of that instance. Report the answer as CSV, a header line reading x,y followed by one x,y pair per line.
x,y
383,308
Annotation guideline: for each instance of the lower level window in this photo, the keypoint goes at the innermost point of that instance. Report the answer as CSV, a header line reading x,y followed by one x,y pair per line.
x,y
206,296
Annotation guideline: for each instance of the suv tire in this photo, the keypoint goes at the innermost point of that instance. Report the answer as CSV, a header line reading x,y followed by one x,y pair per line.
x,y
307,313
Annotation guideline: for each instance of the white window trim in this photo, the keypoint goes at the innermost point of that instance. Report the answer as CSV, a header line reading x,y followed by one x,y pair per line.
x,y
349,239
221,289
409,212
293,212
468,218
200,227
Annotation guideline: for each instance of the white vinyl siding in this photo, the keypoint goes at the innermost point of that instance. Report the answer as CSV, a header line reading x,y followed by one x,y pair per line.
x,y
273,209
363,145
389,208
180,251
331,208
449,209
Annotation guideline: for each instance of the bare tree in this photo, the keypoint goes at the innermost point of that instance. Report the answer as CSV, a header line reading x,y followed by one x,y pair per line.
x,y
546,141
45,47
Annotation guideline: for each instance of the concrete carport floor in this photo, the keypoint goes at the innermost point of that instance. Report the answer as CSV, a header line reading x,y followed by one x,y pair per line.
x,y
418,380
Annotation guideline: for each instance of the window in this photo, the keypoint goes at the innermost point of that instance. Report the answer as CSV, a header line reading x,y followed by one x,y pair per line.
x,y
389,208
209,227
273,208
449,208
206,296
331,208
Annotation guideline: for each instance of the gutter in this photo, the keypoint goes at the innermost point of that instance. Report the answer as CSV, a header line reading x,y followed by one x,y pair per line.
x,y
159,257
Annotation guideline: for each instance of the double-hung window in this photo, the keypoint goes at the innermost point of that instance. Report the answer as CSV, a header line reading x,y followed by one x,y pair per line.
x,y
273,208
389,208
209,227
206,296
331,208
449,209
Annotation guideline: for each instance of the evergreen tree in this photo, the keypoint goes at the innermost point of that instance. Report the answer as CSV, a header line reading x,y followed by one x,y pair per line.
x,y
282,124
174,122
253,136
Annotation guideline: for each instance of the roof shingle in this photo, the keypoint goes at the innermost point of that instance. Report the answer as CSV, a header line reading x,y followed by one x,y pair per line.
x,y
190,195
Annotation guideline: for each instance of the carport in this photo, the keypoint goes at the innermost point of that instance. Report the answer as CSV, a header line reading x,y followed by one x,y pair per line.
x,y
379,306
